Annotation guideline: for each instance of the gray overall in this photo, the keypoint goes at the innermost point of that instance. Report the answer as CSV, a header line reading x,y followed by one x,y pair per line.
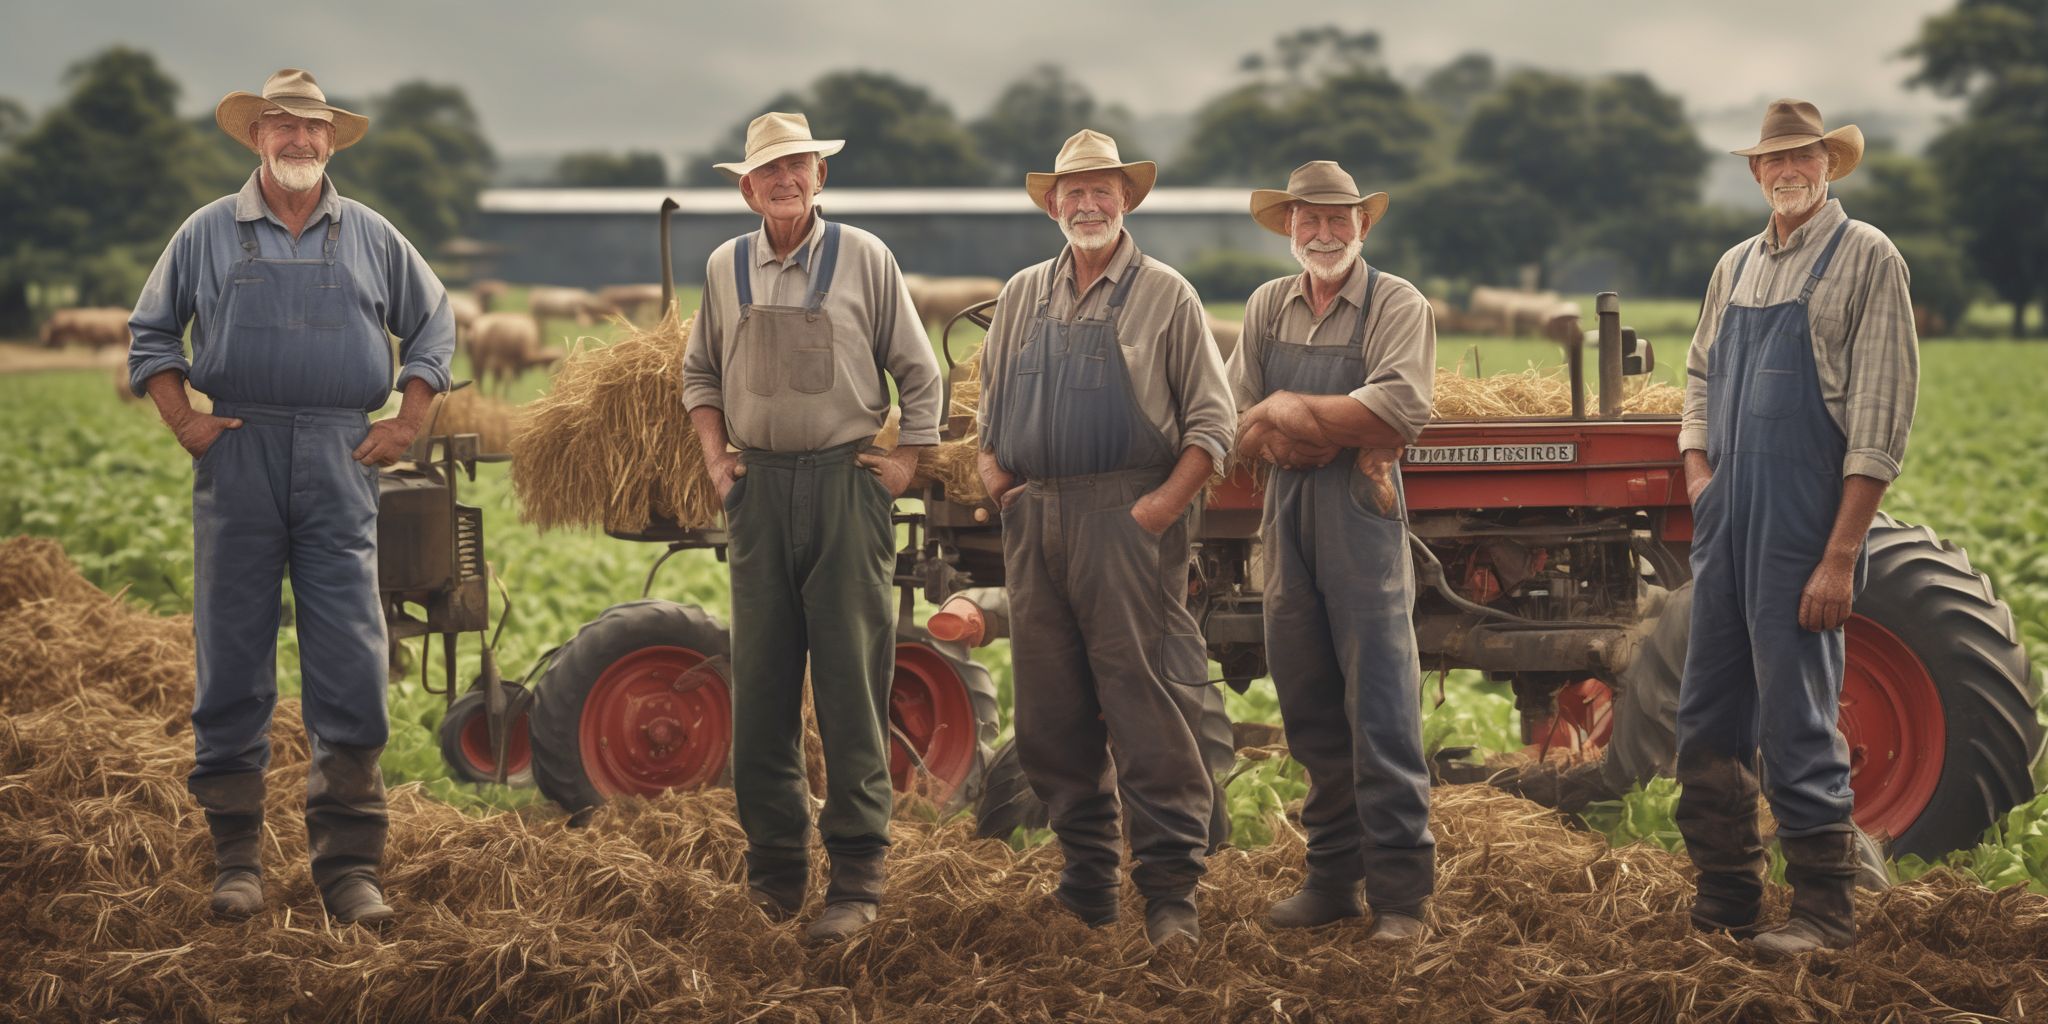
x,y
811,546
283,494
1105,651
1754,678
1340,636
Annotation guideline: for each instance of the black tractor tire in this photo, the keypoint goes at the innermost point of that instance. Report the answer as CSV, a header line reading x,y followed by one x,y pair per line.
x,y
1923,590
982,697
1007,803
470,708
556,717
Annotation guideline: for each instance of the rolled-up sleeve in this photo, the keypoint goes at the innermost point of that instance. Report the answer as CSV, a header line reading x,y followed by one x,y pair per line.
x,y
1400,378
156,328
908,355
1884,375
702,383
420,317
1692,429
1208,417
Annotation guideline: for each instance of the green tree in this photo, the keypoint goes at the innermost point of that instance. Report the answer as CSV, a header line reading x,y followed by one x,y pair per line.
x,y
602,169
1023,129
1454,88
899,134
1321,94
1994,53
14,120
1468,224
99,181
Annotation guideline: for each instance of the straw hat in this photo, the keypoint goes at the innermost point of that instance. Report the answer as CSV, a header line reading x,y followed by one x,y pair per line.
x,y
1790,124
775,135
1090,150
1321,182
295,92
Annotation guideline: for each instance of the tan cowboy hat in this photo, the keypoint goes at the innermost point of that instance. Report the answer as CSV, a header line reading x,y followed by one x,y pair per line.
x,y
1790,124
294,92
1321,182
1090,150
775,135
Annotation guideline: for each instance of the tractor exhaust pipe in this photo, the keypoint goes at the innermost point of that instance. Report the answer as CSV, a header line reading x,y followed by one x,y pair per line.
x,y
668,261
1608,305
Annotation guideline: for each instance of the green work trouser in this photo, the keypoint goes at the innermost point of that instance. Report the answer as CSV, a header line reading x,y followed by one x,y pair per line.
x,y
810,542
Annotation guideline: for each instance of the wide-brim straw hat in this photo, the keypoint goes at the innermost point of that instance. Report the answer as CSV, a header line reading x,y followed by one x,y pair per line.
x,y
1790,124
1090,150
775,135
293,91
1321,182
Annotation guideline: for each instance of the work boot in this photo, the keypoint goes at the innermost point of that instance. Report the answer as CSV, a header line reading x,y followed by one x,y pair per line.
x,y
1716,814
1391,927
839,922
358,900
776,884
1314,906
1822,869
1172,920
234,815
1094,907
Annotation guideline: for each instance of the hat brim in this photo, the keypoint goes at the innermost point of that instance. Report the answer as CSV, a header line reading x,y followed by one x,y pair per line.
x,y
1270,205
1845,142
1143,174
238,110
739,169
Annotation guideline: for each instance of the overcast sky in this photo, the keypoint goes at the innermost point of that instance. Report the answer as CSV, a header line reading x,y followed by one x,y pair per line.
x,y
554,75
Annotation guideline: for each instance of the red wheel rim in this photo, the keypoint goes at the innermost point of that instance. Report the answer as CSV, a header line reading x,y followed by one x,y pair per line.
x,y
1892,718
928,703
646,729
475,743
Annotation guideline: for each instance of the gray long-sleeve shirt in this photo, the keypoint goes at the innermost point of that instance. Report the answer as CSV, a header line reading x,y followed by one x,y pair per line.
x,y
1176,373
395,289
1861,322
872,320
1399,344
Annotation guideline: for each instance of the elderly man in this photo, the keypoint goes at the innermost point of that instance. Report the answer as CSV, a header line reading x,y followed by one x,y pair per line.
x,y
1334,372
290,290
803,323
1103,412
1803,375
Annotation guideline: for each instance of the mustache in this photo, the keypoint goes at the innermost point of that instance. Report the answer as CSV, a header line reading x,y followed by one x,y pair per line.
x,y
1325,247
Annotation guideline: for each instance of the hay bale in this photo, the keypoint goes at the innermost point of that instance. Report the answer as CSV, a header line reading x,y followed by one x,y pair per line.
x,y
1538,392
610,445
469,411
952,462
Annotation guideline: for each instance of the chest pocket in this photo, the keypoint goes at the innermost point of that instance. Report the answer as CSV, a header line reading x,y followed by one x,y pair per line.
x,y
325,304
1090,357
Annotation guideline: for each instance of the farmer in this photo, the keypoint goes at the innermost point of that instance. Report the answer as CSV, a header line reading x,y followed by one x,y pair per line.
x,y
1803,375
1334,374
1104,410
290,291
803,324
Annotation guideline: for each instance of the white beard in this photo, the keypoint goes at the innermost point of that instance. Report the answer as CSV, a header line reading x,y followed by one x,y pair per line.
x,y
1324,266
1086,243
1796,202
296,177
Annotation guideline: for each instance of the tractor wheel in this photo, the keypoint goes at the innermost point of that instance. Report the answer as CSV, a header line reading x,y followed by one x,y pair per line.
x,y
943,716
1008,804
1937,698
620,711
465,735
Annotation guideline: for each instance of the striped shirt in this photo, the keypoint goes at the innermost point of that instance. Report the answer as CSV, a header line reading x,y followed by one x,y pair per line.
x,y
1861,326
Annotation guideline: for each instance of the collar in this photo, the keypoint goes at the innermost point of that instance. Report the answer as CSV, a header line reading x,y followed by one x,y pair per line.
x,y
764,250
1126,254
249,204
1824,222
1352,292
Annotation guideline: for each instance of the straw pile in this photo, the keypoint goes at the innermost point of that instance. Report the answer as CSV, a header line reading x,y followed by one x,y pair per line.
x,y
952,463
1534,392
610,444
494,421
640,917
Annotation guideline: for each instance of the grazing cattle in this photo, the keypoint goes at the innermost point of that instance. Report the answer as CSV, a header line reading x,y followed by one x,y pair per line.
x,y
94,327
503,346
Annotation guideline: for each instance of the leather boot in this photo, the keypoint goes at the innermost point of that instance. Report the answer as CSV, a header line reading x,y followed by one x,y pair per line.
x,y
234,815
346,823
1172,920
1095,907
851,896
1717,816
1822,869
777,884
1315,905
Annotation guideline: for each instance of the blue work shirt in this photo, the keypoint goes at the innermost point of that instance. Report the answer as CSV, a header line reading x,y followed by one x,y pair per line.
x,y
394,290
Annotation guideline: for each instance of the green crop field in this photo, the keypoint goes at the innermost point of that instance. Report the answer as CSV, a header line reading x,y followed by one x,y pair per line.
x,y
109,482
